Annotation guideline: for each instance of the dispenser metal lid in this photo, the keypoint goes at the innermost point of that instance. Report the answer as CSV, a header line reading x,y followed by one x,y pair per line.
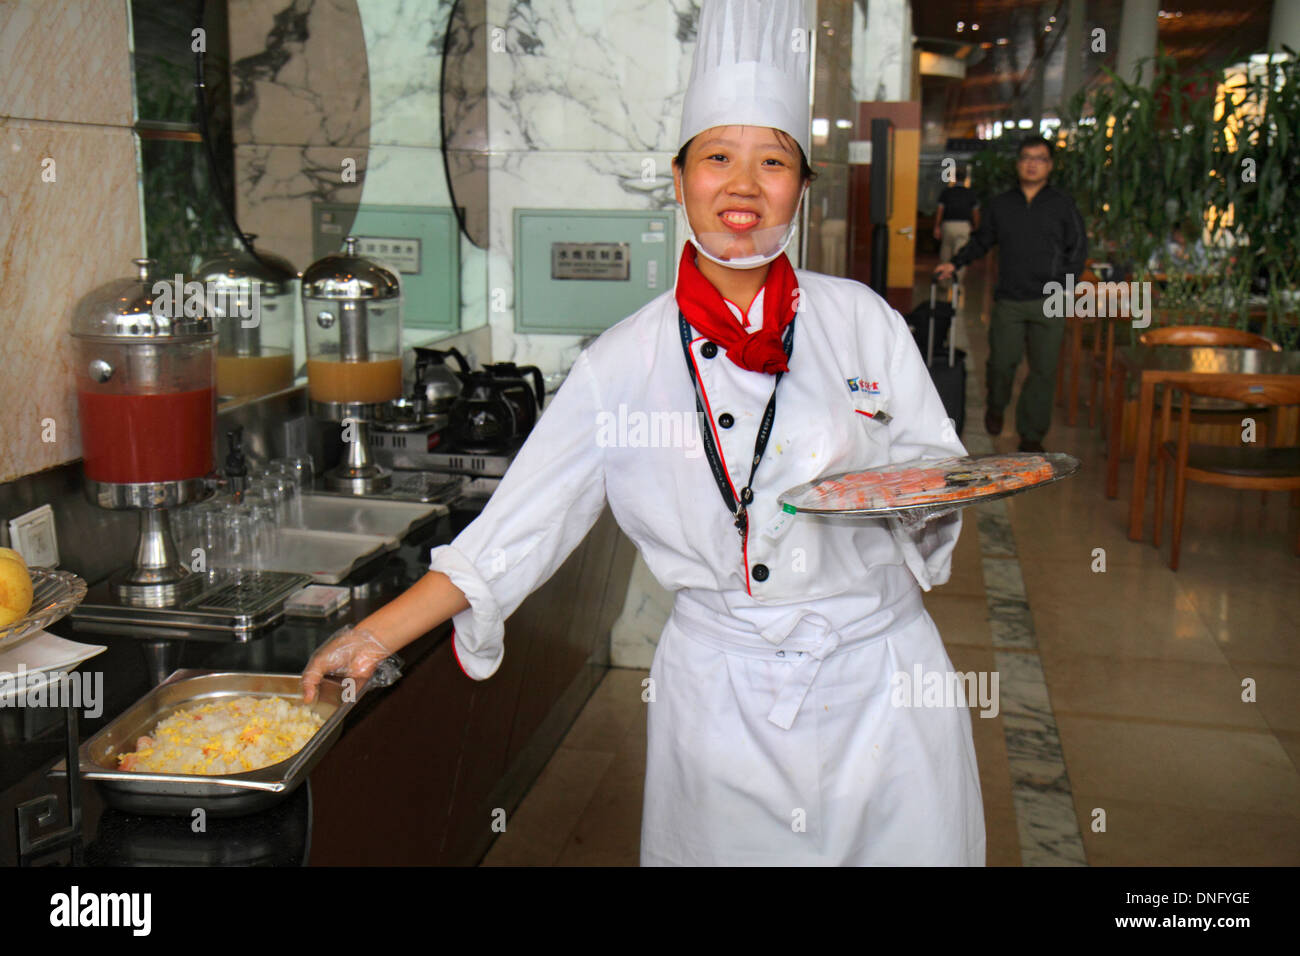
x,y
236,267
350,275
143,307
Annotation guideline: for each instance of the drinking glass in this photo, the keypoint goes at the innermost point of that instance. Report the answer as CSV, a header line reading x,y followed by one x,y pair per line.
x,y
207,536
301,472
282,494
300,469
247,535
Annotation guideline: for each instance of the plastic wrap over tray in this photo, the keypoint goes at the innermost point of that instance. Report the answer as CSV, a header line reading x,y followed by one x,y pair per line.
x,y
928,485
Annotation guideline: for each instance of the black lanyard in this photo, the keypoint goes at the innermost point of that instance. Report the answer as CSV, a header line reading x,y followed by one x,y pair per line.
x,y
737,509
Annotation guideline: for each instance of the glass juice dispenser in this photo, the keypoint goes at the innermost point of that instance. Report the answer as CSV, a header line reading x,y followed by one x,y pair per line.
x,y
254,302
352,312
145,382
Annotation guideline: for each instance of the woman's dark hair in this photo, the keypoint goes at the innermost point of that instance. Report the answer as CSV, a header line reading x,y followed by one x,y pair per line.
x,y
805,171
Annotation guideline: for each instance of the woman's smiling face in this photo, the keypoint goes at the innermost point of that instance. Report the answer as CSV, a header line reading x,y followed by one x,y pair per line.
x,y
737,181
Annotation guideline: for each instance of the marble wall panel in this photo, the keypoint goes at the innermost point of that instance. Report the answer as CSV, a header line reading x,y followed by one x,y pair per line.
x,y
299,73
59,239
67,61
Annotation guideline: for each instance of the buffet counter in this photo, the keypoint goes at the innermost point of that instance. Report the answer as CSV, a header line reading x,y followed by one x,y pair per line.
x,y
422,769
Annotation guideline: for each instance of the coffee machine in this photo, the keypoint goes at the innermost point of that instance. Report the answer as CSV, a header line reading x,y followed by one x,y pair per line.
x,y
352,310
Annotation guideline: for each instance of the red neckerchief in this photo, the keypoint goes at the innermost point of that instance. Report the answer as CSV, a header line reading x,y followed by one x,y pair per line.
x,y
706,310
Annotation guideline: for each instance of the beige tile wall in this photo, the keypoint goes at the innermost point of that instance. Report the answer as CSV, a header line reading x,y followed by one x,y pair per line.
x,y
65,227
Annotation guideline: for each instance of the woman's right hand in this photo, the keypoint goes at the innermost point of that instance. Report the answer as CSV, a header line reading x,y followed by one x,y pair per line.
x,y
351,652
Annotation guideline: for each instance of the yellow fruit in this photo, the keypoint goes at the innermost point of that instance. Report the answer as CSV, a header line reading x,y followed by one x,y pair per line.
x,y
15,587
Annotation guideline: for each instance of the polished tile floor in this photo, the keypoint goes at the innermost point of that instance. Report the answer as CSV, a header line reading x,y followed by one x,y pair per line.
x,y
1130,744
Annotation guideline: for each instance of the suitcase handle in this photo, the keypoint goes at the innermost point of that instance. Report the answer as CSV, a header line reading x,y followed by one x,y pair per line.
x,y
952,343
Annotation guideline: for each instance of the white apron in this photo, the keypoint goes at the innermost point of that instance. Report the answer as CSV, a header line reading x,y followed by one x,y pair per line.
x,y
766,749
756,754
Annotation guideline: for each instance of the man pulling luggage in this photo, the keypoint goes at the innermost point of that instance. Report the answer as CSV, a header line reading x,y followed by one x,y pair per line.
x,y
1042,240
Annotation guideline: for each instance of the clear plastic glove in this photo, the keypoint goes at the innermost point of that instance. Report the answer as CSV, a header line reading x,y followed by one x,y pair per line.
x,y
914,519
918,533
351,652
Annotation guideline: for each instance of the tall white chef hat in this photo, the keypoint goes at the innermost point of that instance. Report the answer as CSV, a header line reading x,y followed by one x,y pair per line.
x,y
750,69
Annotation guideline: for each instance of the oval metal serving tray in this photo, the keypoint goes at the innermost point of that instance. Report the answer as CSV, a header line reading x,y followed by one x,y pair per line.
x,y
1063,466
228,795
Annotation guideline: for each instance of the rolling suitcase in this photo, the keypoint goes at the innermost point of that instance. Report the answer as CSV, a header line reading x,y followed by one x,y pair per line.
x,y
931,321
931,325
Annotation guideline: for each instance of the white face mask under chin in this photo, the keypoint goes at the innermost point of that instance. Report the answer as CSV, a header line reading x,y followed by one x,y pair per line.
x,y
768,243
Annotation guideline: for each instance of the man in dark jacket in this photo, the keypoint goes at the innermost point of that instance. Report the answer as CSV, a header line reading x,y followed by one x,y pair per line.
x,y
1042,241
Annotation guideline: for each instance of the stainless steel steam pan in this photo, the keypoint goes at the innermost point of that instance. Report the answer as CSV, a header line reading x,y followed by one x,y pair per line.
x,y
228,795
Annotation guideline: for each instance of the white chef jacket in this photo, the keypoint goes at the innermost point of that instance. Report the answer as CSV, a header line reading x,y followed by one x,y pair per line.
x,y
623,430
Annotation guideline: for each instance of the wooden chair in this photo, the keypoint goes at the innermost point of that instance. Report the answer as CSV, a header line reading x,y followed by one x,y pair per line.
x,y
1068,379
1207,336
1242,467
1101,359
1102,368
1207,410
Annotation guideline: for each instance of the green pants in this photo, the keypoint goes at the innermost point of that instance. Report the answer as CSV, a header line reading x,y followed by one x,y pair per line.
x,y
1015,327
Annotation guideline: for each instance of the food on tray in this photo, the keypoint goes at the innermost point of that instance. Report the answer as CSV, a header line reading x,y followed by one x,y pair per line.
x,y
225,736
939,482
15,587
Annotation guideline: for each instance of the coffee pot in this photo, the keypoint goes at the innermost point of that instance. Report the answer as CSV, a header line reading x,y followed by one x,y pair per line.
x,y
526,400
483,420
435,381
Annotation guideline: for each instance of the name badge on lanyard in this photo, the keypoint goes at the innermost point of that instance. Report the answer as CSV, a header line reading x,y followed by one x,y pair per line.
x,y
738,509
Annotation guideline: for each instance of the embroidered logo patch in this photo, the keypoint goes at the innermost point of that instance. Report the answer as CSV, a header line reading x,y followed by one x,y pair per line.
x,y
863,385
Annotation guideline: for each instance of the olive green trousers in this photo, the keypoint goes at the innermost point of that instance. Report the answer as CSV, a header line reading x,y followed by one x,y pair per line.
x,y
1017,327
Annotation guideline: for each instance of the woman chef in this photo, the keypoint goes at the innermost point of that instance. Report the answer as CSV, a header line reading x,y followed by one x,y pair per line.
x,y
772,735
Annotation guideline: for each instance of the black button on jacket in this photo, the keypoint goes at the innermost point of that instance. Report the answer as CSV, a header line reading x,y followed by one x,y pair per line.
x,y
1041,241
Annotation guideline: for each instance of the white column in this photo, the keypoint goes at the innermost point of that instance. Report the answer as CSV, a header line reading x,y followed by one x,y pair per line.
x,y
882,51
1137,37
1285,27
1076,39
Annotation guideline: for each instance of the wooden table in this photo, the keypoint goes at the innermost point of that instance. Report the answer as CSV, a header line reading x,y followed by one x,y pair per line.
x,y
1175,365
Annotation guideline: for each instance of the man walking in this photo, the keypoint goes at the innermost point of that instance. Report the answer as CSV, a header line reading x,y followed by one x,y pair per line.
x,y
1042,240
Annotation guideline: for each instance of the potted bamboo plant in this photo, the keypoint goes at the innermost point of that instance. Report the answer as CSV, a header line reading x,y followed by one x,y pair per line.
x,y
1151,163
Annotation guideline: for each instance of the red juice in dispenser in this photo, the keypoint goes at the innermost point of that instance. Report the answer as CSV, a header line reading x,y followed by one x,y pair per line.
x,y
130,439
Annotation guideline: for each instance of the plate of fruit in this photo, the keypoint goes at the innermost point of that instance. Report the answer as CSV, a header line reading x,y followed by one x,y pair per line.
x,y
31,599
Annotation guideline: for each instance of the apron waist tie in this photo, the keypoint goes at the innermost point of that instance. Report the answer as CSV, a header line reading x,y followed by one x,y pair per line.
x,y
813,648
790,697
